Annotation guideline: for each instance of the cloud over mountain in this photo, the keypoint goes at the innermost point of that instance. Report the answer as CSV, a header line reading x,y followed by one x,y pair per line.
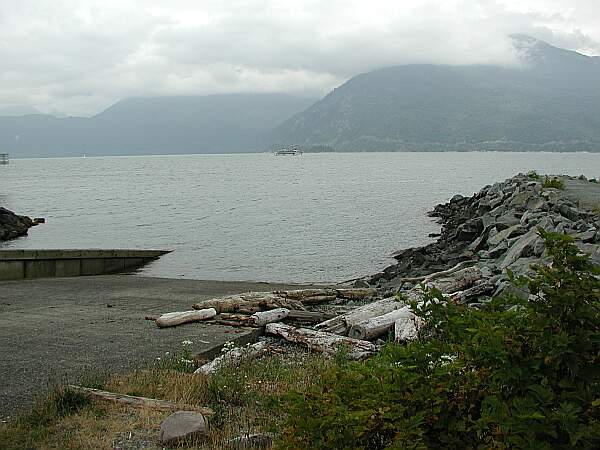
x,y
79,56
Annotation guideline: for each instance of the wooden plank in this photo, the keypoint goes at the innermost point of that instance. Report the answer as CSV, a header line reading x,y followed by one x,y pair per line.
x,y
139,402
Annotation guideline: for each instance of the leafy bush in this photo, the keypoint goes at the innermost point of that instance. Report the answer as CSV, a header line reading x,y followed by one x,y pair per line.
x,y
533,175
516,374
555,183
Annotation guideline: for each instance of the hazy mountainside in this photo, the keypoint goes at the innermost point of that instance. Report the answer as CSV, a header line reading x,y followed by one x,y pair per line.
x,y
157,125
550,102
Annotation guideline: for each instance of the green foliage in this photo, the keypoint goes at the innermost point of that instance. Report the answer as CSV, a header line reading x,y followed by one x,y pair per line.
x,y
27,430
517,374
555,183
183,361
533,175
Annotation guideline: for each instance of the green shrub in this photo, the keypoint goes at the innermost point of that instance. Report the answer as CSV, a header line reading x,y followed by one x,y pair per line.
x,y
533,175
516,374
555,183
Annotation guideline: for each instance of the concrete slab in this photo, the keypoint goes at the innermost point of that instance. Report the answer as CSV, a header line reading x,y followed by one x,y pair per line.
x,y
92,267
11,270
68,267
114,265
58,329
40,268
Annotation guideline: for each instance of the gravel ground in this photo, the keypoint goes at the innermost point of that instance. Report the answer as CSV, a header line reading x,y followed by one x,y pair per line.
x,y
67,329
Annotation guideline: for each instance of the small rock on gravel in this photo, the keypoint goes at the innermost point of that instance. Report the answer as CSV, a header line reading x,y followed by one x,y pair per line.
x,y
180,426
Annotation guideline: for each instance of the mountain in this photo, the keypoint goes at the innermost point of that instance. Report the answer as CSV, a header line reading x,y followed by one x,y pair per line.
x,y
155,125
550,101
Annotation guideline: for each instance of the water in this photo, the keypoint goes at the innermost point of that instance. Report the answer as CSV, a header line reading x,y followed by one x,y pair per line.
x,y
313,218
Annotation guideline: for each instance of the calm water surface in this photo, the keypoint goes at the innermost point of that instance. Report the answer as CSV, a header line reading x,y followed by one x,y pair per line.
x,y
318,217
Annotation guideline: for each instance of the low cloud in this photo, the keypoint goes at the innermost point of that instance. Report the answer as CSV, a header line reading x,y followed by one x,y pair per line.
x,y
78,57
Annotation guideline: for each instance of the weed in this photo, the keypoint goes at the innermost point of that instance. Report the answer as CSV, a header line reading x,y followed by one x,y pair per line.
x,y
555,183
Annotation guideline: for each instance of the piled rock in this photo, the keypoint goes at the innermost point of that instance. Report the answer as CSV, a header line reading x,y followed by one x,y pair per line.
x,y
495,229
12,225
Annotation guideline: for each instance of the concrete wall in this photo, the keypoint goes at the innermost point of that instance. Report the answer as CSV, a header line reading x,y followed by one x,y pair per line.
x,y
18,264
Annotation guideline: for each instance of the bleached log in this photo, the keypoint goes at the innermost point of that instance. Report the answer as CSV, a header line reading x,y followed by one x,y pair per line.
x,y
233,358
177,318
341,324
473,292
458,281
310,316
249,302
306,294
444,273
377,326
327,343
139,402
356,293
260,319
407,328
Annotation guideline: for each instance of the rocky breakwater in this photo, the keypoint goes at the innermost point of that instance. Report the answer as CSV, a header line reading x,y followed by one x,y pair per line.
x,y
13,225
492,232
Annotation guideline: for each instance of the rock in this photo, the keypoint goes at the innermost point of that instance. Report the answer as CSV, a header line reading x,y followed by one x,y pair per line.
x,y
592,250
497,211
506,221
248,441
507,288
499,250
521,247
569,212
13,225
514,230
360,283
586,236
519,200
182,425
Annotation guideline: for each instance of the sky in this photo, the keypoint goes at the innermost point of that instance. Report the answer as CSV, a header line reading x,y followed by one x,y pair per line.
x,y
77,57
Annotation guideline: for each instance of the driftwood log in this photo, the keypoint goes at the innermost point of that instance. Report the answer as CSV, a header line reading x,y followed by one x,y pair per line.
x,y
406,328
260,319
249,302
444,273
458,281
341,324
473,292
177,318
375,327
310,316
233,357
139,402
327,343
356,293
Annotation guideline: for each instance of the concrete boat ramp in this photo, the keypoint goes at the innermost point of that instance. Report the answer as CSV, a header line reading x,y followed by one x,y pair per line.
x,y
59,329
18,264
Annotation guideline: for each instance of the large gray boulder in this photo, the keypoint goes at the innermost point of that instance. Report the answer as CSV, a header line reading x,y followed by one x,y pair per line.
x,y
521,247
180,426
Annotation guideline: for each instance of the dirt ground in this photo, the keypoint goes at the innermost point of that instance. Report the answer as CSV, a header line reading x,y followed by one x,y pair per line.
x,y
68,329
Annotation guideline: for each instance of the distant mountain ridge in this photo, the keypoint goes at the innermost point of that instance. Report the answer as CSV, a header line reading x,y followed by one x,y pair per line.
x,y
155,125
551,102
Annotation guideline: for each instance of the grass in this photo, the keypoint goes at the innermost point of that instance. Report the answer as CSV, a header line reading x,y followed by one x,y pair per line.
x,y
555,183
244,399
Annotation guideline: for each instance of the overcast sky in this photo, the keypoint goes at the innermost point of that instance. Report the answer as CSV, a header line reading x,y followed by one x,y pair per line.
x,y
77,57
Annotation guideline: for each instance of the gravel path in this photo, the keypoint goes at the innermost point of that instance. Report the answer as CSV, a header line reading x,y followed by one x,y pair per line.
x,y
60,329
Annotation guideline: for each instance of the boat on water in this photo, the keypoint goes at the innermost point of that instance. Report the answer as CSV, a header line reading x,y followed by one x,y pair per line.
x,y
288,152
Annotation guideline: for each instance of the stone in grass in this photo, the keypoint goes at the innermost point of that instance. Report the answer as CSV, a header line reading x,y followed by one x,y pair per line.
x,y
251,441
180,426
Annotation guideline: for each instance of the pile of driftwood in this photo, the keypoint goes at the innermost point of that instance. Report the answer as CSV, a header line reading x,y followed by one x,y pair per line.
x,y
292,315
